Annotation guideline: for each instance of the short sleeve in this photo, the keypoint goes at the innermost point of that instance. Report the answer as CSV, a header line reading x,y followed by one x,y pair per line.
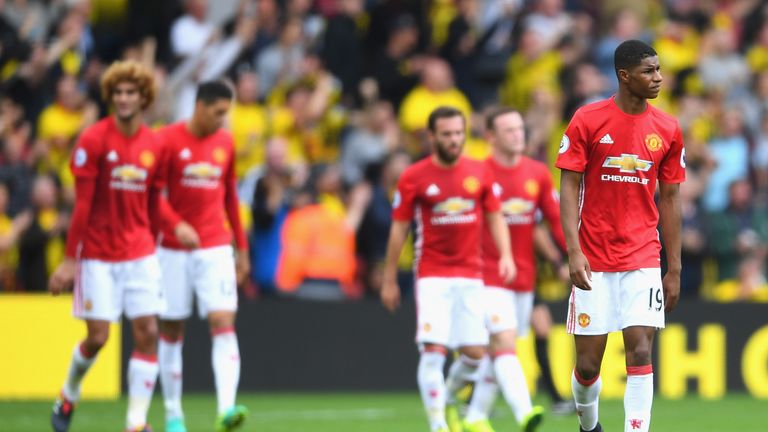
x,y
491,202
403,201
572,154
86,156
672,169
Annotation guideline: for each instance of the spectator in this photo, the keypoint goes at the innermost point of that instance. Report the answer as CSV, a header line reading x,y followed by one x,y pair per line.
x,y
374,230
721,68
281,61
15,170
270,204
739,239
190,33
760,158
317,260
342,48
549,21
396,68
41,245
730,151
60,123
460,48
694,242
436,89
625,25
10,230
248,123
368,145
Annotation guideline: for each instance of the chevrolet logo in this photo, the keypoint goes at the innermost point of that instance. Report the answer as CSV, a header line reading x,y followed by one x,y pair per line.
x,y
453,206
516,206
627,163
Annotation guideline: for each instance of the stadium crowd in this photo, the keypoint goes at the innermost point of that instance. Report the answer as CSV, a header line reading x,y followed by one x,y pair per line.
x,y
331,104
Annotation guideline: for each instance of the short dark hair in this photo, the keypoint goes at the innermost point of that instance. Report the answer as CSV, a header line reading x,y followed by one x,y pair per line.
x,y
443,112
211,91
630,53
495,113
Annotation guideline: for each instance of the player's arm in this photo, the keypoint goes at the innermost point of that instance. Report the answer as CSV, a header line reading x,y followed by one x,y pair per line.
x,y
578,266
500,235
671,225
232,204
390,290
549,203
64,275
85,169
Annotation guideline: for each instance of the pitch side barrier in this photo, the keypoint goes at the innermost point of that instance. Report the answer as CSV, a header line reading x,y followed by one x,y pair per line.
x,y
707,350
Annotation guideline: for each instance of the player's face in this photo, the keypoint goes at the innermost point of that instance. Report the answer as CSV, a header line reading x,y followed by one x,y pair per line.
x,y
448,138
213,115
645,79
127,100
508,134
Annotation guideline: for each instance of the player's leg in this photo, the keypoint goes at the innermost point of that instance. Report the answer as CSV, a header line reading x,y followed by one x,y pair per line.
x,y
83,357
142,370
171,363
434,299
541,323
585,382
510,311
638,396
213,270
142,299
461,374
472,336
225,358
95,300
642,312
591,317
177,293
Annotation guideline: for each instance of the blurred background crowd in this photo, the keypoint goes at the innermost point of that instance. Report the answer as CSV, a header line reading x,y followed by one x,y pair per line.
x,y
331,103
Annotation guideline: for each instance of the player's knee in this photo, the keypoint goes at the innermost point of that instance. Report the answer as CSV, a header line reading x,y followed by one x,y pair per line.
x,y
587,369
473,352
639,356
96,340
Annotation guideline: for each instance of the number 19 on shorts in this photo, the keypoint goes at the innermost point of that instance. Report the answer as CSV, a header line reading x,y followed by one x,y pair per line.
x,y
655,299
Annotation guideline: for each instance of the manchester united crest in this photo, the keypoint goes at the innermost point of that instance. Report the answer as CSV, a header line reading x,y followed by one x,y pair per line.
x,y
471,184
147,159
584,320
219,155
653,142
531,187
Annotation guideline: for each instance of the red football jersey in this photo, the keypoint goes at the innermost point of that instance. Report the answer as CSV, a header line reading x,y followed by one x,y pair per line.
x,y
449,205
622,156
523,190
117,227
202,187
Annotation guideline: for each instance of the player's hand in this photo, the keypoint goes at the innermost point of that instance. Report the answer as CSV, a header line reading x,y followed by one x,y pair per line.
x,y
507,269
671,284
186,235
581,273
63,277
563,272
242,267
390,295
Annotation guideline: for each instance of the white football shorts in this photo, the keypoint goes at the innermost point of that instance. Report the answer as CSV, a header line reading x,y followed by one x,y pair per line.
x,y
617,300
450,311
208,274
105,290
506,309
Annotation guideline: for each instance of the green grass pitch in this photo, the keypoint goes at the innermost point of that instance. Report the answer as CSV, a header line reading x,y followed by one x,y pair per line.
x,y
385,412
